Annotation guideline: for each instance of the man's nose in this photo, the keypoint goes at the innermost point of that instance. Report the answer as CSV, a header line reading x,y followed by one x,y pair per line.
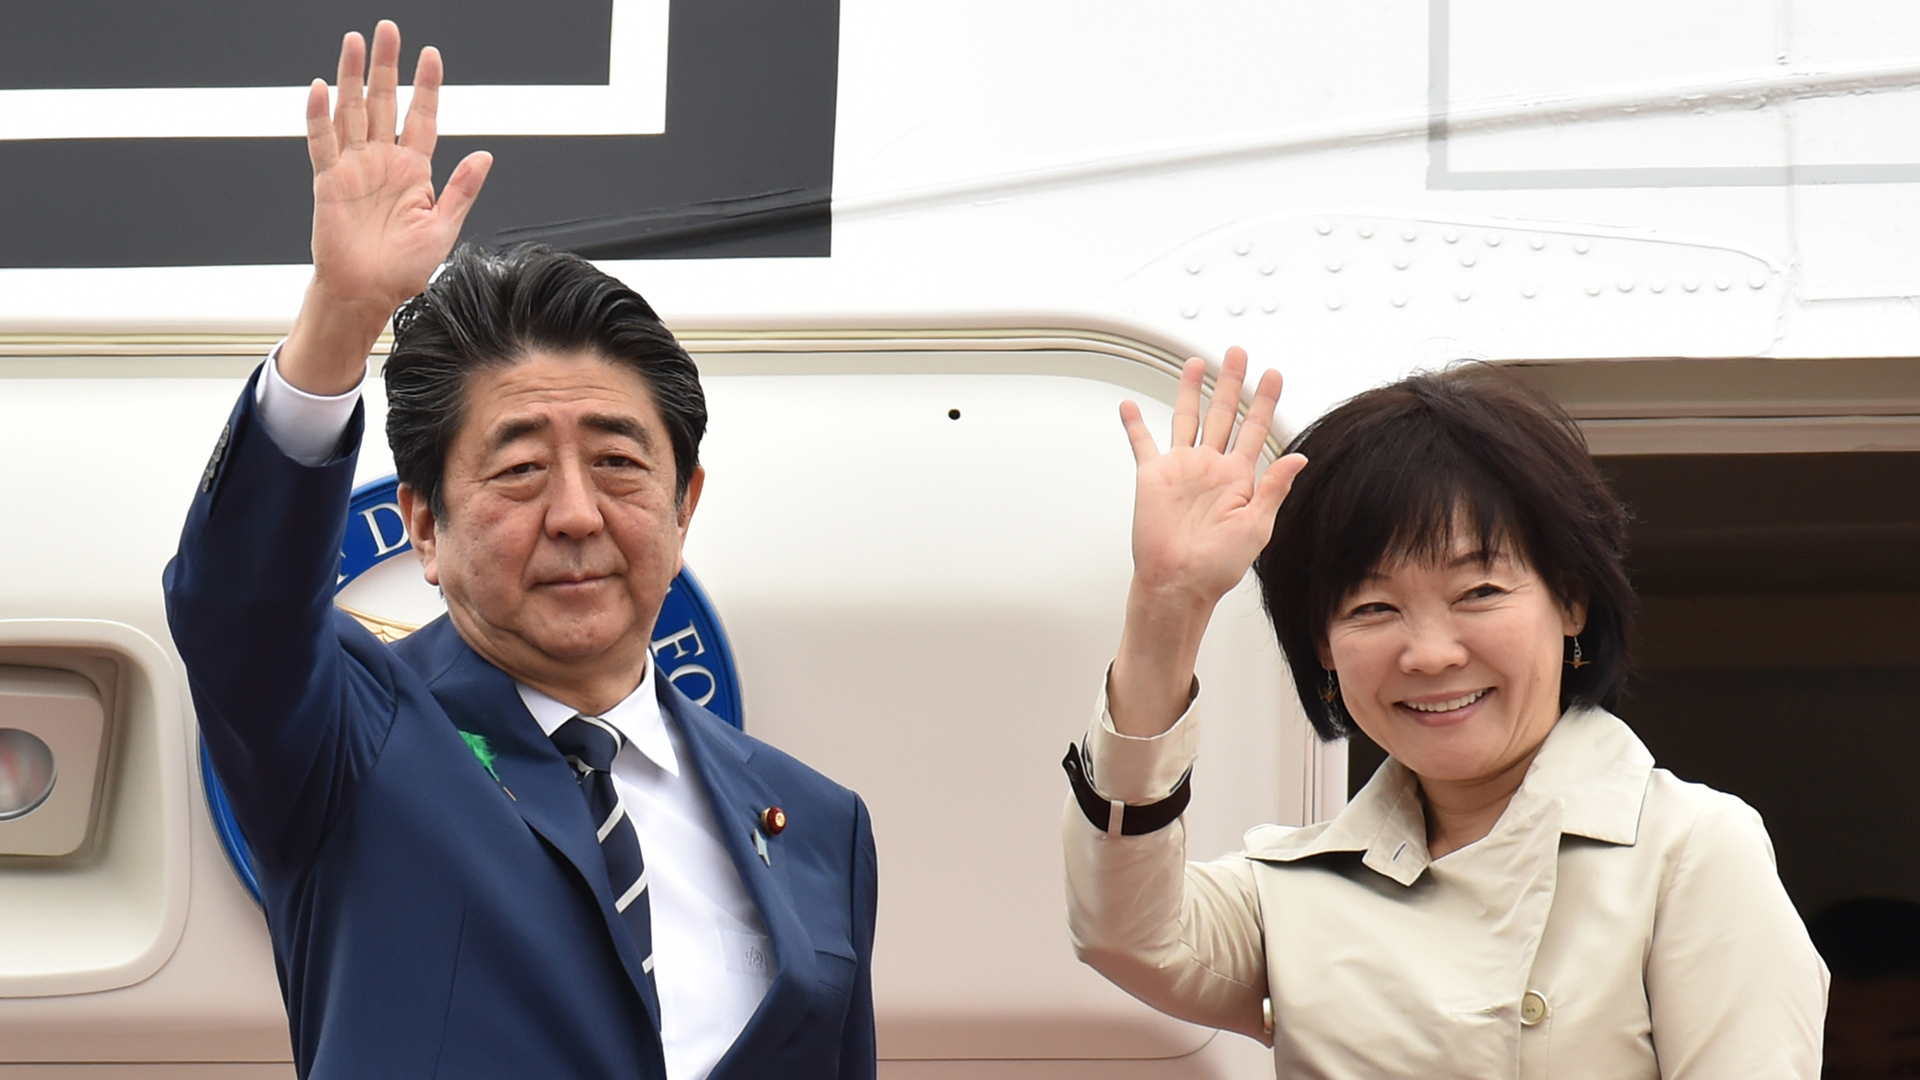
x,y
1433,645
573,506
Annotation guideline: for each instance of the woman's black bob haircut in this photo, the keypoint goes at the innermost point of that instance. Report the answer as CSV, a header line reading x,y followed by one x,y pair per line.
x,y
1393,473
490,310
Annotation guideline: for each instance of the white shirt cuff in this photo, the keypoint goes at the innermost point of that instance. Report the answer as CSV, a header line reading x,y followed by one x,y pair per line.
x,y
306,427
1135,770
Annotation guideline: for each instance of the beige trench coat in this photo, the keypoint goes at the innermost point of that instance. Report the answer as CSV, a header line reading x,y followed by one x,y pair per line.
x,y
1617,922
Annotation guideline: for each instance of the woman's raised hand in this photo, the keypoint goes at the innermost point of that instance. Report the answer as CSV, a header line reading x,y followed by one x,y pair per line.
x,y
378,231
1202,510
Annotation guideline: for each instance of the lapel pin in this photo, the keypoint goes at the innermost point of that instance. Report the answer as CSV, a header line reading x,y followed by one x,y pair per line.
x,y
760,845
485,755
773,820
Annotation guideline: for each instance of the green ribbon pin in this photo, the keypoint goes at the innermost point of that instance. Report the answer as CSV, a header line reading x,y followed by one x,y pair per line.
x,y
483,753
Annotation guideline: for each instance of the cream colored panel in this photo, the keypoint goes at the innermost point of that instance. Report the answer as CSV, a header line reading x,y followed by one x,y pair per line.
x,y
923,607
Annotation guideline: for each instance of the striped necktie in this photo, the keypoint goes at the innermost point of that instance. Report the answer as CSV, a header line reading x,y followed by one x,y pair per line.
x,y
589,744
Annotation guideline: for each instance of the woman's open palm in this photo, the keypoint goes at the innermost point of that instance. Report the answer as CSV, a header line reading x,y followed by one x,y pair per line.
x,y
1203,508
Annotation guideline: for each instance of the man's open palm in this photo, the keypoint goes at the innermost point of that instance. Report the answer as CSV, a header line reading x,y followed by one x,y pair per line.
x,y
378,231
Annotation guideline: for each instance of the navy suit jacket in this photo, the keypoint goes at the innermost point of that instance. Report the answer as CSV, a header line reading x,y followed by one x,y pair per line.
x,y
428,919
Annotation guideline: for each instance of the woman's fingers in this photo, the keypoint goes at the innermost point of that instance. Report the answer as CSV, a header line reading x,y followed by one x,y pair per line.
x,y
1226,400
1274,485
383,83
350,112
1259,422
1186,406
423,115
1137,434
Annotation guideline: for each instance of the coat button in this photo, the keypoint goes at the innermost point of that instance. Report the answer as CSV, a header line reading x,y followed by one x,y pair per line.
x,y
1533,1008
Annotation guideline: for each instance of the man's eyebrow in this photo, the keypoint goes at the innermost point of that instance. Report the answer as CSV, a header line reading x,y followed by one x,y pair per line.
x,y
614,424
515,430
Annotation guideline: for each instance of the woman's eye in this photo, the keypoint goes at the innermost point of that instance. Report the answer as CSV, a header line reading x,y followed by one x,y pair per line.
x,y
1484,591
1373,607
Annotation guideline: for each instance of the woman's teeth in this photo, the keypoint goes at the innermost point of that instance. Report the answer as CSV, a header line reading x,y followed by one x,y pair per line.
x,y
1447,706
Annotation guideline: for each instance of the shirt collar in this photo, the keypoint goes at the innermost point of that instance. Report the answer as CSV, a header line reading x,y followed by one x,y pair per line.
x,y
1591,765
639,717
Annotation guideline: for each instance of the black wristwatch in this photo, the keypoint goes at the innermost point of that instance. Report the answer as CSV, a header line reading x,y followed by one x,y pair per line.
x,y
1131,820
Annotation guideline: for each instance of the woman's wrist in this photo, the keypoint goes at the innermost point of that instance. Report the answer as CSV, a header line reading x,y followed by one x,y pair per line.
x,y
1149,684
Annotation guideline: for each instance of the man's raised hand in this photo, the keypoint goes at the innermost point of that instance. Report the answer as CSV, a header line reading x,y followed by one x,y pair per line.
x,y
1202,511
378,231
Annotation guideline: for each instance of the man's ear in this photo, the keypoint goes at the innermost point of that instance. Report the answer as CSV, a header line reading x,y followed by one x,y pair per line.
x,y
688,502
420,529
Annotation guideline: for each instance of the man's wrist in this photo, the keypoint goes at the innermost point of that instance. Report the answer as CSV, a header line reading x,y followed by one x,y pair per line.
x,y
326,351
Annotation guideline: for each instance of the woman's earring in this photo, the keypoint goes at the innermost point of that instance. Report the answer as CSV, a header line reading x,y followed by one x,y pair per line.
x,y
1576,663
1330,693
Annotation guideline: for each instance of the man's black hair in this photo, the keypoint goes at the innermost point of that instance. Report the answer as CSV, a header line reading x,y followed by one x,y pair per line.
x,y
490,310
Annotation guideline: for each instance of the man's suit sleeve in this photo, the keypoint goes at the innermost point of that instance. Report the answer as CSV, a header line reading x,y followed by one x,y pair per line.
x,y
293,699
858,1051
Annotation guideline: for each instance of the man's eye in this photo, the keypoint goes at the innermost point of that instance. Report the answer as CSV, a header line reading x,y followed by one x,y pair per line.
x,y
619,461
524,468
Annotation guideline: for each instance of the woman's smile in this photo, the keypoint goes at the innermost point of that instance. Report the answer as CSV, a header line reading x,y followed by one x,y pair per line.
x,y
1446,710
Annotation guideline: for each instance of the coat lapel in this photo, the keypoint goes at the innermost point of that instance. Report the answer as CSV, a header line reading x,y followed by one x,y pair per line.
x,y
738,795
481,699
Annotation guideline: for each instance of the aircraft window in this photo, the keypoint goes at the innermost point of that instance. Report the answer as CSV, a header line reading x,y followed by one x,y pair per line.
x,y
26,773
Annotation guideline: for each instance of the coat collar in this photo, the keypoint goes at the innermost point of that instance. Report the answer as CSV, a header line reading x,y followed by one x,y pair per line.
x,y
1591,767
482,700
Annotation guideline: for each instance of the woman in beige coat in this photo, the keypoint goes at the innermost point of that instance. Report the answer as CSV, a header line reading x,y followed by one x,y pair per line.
x,y
1518,891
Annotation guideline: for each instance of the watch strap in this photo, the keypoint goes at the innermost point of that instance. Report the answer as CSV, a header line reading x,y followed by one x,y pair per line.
x,y
1116,818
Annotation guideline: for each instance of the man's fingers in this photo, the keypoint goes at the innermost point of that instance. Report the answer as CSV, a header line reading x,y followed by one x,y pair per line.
x,y
1186,406
383,104
1226,400
350,112
463,187
423,123
1274,485
1259,422
1137,434
321,148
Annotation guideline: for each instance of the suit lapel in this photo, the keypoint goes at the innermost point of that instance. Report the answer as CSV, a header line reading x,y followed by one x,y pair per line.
x,y
738,795
479,698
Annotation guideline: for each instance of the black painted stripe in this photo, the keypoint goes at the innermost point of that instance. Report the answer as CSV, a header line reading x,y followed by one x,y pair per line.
x,y
745,169
67,44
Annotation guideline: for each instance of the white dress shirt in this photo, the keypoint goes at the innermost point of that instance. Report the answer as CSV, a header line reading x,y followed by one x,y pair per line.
x,y
713,960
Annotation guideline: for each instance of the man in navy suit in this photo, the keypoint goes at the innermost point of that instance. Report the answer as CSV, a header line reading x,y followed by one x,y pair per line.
x,y
504,847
